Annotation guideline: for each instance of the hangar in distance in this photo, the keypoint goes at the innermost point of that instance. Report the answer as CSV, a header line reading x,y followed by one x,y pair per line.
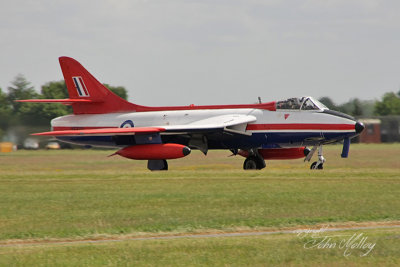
x,y
289,129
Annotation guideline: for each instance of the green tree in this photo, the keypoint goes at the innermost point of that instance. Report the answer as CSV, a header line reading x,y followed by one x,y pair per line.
x,y
20,89
354,107
357,108
328,102
5,107
118,90
390,105
40,114
55,90
5,113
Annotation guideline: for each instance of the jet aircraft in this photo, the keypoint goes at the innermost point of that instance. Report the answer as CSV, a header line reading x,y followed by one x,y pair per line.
x,y
264,131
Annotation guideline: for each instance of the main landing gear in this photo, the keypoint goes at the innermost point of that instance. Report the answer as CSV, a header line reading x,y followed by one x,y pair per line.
x,y
254,161
319,164
157,165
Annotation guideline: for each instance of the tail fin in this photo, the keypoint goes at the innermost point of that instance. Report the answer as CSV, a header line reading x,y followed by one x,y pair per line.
x,y
83,86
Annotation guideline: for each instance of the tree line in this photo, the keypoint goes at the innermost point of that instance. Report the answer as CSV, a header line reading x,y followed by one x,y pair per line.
x,y
13,114
39,114
388,105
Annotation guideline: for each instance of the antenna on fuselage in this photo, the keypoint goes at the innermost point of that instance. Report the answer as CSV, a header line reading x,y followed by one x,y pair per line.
x,y
259,100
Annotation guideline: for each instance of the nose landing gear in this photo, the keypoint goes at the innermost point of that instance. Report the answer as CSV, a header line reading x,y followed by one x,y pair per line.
x,y
316,165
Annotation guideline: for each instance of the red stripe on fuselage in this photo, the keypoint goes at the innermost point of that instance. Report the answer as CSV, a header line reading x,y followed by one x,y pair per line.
x,y
278,126
301,126
271,106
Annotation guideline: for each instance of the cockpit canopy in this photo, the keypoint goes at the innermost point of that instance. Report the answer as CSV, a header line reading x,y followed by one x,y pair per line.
x,y
300,103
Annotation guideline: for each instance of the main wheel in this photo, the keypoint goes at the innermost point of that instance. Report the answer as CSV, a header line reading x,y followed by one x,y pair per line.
x,y
250,164
165,165
157,165
254,163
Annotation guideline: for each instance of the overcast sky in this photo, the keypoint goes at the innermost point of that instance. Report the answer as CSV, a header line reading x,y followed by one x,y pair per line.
x,y
177,52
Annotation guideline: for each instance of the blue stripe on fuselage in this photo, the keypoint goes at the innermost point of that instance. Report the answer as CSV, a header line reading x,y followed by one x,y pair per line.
x,y
259,139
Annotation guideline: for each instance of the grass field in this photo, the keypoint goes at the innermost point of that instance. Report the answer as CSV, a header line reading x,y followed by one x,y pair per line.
x,y
82,194
272,250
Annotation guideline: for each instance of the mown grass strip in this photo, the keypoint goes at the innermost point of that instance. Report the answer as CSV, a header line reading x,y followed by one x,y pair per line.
x,y
268,250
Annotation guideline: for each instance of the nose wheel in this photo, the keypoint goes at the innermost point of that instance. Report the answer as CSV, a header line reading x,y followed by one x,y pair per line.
x,y
317,165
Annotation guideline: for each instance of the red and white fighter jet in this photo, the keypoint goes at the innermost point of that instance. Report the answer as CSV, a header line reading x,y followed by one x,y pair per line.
x,y
273,130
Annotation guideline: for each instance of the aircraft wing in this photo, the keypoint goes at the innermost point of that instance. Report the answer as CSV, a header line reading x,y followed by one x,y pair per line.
x,y
104,131
231,123
235,123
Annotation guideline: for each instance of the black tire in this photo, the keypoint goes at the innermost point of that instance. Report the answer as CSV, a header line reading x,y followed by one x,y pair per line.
x,y
314,166
250,164
157,165
253,163
260,163
165,165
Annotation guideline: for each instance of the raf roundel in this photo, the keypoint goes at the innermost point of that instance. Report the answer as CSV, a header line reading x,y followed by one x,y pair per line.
x,y
127,124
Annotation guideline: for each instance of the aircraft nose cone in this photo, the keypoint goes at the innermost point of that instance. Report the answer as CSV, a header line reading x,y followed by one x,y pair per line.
x,y
359,127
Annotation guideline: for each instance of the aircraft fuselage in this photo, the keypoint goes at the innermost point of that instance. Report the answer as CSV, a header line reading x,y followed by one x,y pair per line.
x,y
272,129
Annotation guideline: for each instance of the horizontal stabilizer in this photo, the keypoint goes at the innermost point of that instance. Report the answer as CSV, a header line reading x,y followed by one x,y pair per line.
x,y
62,101
104,131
